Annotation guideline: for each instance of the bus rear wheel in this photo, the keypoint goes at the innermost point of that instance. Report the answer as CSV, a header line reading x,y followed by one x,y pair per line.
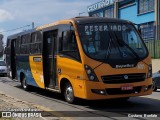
x,y
24,84
69,93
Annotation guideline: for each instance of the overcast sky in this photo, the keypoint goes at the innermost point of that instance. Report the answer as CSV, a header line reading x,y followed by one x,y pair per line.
x,y
18,13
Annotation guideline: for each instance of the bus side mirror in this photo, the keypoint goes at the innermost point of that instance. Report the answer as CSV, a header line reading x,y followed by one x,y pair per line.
x,y
139,30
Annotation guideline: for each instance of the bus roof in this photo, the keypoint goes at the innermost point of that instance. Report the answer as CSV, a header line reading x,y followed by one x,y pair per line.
x,y
83,20
14,36
77,20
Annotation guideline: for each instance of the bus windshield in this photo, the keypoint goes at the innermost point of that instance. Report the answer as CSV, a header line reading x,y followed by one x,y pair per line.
x,y
111,41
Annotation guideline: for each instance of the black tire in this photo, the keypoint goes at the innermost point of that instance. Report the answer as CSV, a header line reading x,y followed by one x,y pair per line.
x,y
69,93
154,87
24,84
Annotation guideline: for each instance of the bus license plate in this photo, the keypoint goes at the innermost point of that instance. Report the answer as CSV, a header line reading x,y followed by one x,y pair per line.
x,y
127,87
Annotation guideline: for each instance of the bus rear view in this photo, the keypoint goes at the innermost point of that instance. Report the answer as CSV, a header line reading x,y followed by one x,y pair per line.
x,y
116,60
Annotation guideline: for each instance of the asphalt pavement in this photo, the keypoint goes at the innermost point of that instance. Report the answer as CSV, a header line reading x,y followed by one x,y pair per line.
x,y
83,109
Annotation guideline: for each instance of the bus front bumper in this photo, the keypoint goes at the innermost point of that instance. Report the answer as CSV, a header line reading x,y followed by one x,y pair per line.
x,y
100,90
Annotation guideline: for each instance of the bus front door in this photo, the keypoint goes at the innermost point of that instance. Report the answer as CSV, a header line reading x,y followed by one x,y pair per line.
x,y
49,59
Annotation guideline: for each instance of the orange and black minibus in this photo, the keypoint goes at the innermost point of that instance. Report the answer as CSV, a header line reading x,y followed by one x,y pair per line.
x,y
84,57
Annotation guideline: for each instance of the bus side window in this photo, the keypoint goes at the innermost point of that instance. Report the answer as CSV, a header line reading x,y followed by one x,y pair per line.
x,y
69,44
17,45
8,46
39,42
32,45
21,47
36,43
25,44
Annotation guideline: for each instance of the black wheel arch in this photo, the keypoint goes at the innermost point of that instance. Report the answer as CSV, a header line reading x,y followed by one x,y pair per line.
x,y
63,83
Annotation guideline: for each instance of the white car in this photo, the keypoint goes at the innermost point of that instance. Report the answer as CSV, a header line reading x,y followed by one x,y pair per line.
x,y
3,68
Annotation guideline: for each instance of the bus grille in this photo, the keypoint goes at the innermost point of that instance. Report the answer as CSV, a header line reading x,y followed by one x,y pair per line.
x,y
124,78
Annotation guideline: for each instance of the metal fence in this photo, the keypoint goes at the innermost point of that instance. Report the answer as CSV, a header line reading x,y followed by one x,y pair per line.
x,y
154,48
148,33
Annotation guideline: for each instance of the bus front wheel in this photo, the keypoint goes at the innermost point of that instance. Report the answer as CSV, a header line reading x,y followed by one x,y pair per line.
x,y
69,93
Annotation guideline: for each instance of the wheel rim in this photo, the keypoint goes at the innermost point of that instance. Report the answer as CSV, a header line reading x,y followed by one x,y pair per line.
x,y
24,83
69,93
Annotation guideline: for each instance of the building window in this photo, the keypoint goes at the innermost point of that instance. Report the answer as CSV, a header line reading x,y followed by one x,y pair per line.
x,y
99,14
145,6
148,31
109,13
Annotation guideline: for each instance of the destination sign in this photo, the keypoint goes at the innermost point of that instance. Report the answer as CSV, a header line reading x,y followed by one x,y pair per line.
x,y
94,28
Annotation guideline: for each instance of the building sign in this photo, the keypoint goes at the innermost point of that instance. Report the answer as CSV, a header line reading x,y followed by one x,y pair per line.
x,y
100,5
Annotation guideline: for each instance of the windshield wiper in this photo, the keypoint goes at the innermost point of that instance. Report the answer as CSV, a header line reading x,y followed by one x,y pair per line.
x,y
123,43
113,42
108,50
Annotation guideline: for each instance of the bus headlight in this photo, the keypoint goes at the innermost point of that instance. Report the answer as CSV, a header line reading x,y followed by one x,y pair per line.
x,y
149,71
90,73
